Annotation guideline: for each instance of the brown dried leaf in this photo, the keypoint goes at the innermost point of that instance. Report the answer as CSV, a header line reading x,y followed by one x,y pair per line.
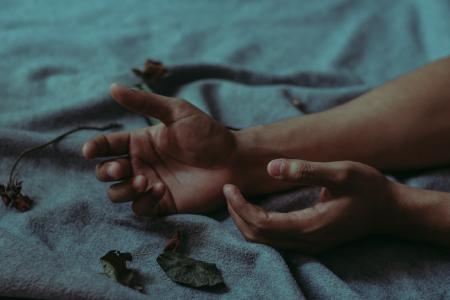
x,y
185,270
189,271
114,265
174,242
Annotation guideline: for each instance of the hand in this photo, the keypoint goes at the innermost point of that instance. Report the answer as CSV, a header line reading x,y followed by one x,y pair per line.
x,y
179,165
356,200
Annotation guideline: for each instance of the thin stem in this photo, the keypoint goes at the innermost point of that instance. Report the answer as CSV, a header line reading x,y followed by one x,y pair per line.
x,y
141,254
55,140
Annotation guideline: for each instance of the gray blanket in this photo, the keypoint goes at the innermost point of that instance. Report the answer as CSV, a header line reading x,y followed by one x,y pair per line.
x,y
58,59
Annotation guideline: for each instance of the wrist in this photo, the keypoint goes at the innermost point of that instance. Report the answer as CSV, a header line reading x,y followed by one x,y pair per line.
x,y
406,209
421,214
252,155
392,214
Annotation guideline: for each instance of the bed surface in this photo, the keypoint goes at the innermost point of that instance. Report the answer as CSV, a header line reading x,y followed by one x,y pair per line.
x,y
57,61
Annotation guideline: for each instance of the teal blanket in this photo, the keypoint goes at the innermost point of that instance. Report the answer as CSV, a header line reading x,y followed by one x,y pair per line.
x,y
57,60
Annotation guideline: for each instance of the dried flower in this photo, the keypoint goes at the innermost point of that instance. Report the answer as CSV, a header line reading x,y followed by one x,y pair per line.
x,y
12,196
152,73
166,81
11,193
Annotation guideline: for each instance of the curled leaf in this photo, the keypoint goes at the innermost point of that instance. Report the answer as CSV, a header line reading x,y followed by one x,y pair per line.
x,y
188,271
114,265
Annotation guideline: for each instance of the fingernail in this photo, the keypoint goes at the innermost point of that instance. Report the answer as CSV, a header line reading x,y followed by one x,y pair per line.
x,y
133,88
155,186
84,150
116,86
276,167
139,183
293,169
228,189
111,169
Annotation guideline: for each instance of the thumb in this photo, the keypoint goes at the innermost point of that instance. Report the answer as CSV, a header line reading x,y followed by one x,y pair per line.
x,y
165,109
307,172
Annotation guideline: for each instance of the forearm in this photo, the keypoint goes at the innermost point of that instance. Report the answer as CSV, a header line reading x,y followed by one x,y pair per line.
x,y
422,215
400,125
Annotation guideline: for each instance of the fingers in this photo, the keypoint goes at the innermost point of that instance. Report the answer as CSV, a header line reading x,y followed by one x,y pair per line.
x,y
245,210
141,184
310,173
145,194
113,144
122,192
251,234
147,204
128,190
325,195
270,224
246,230
113,170
163,108
282,230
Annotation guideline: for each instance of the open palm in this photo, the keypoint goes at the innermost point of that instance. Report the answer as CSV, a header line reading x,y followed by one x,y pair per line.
x,y
179,165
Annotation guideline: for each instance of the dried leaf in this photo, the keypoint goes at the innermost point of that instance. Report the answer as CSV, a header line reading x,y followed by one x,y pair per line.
x,y
143,87
174,242
114,265
188,271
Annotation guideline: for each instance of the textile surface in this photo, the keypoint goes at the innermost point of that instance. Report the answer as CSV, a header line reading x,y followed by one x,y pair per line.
x,y
58,59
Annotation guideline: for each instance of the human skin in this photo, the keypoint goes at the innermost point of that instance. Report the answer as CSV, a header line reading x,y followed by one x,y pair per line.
x,y
182,164
356,200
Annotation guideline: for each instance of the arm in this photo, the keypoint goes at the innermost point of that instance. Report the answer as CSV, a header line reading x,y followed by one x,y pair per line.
x,y
182,164
403,124
424,215
356,201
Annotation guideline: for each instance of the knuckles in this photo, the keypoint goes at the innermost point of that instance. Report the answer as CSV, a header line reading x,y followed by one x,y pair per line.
x,y
350,171
181,104
100,172
138,211
304,170
261,226
183,108
110,195
346,171
258,229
